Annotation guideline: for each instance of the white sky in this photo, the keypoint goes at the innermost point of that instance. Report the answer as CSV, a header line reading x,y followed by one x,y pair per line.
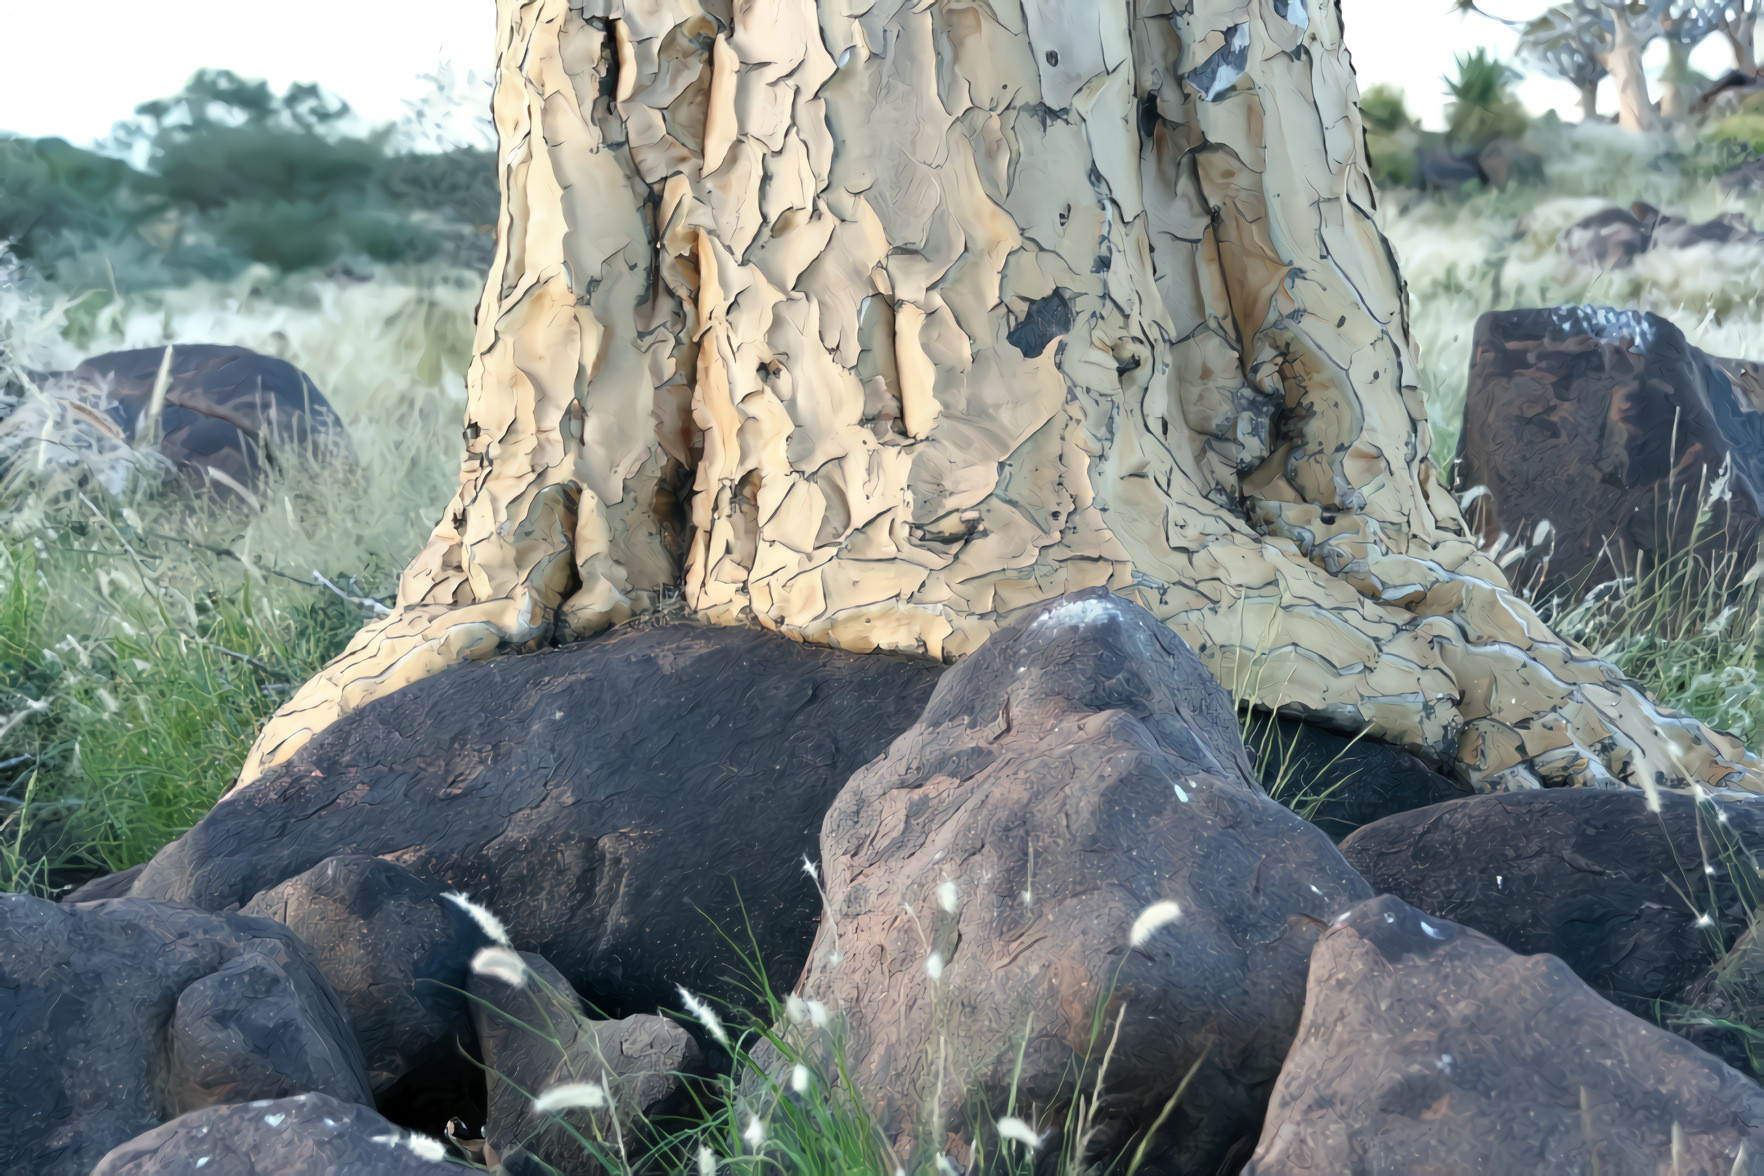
x,y
76,78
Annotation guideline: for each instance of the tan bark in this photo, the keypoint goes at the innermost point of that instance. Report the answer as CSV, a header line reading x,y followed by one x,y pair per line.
x,y
878,326
1623,60
1739,25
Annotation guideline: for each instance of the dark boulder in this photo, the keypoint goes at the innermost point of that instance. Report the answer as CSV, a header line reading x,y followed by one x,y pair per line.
x,y
119,1014
1636,902
1505,162
1427,1047
537,1038
307,1135
1438,170
615,801
1619,407
104,886
1009,866
1340,782
226,410
1723,1009
395,951
1615,237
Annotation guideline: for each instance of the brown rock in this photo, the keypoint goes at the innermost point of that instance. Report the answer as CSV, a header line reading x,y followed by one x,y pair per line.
x,y
1078,768
307,1135
393,949
1617,891
615,802
1612,428
1615,237
1429,1048
536,1037
227,410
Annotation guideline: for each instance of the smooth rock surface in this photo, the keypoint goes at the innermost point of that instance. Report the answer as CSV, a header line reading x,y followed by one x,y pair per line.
x,y
227,410
1618,892
1338,782
615,802
536,1037
1429,1048
1078,769
119,1014
395,951
307,1135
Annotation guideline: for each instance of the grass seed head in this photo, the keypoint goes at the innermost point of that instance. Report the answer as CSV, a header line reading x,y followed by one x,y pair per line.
x,y
1012,1128
489,923
707,1161
754,1135
590,1096
799,1079
948,897
1151,920
502,964
706,1015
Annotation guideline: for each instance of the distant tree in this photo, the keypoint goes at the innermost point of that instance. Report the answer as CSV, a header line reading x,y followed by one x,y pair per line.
x,y
1612,33
1483,106
1684,26
1738,20
1562,43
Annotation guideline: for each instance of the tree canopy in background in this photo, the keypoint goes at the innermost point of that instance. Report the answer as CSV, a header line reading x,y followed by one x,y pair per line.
x,y
228,172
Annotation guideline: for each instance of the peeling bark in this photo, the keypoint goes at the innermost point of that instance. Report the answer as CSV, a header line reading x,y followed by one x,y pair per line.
x,y
878,327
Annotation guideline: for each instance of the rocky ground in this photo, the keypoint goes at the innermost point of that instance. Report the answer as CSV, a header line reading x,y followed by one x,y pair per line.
x,y
1039,896
694,899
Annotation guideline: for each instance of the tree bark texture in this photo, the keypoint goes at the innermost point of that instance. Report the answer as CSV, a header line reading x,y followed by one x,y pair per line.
x,y
1589,102
877,322
1740,27
1623,60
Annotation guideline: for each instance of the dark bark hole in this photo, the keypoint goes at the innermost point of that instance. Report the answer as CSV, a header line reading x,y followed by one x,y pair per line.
x,y
1048,318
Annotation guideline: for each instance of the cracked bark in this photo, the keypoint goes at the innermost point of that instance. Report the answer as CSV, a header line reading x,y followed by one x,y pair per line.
x,y
876,326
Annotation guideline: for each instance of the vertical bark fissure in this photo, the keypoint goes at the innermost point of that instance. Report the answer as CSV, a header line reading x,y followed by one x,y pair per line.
x,y
980,302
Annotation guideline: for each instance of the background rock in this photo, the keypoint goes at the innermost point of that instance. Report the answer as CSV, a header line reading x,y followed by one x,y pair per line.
x,y
1615,237
1076,769
393,949
307,1135
1591,876
226,409
1427,1047
614,801
92,994
1619,406
1339,782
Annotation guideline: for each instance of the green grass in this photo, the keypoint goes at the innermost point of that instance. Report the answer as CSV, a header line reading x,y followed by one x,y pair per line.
x,y
788,1104
147,631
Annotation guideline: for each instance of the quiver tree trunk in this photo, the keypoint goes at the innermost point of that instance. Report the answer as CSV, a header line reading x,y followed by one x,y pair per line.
x,y
877,328
1739,24
1623,60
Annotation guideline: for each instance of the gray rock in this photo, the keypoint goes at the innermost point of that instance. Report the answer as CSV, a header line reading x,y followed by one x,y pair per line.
x,y
616,802
393,949
119,1014
536,1037
1635,902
